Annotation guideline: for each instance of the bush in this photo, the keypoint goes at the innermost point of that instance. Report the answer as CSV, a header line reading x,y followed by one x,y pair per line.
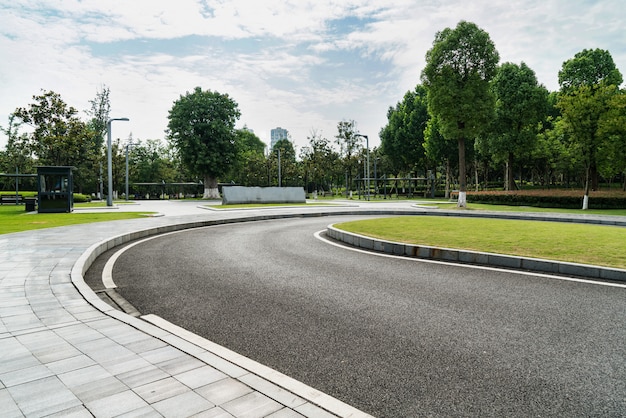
x,y
557,198
81,198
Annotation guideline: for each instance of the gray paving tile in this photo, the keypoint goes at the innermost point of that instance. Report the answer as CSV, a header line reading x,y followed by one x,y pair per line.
x,y
8,406
273,391
70,364
43,397
143,412
180,364
201,376
285,413
162,354
161,389
143,376
14,356
117,404
216,412
17,377
74,412
183,405
252,405
224,391
125,364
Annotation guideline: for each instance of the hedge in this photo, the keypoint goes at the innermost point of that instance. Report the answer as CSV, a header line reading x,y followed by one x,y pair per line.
x,y
567,199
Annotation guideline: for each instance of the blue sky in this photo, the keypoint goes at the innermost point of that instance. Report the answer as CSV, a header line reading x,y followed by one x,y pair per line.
x,y
303,65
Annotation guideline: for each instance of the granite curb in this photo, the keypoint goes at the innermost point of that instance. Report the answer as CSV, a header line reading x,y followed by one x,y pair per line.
x,y
477,258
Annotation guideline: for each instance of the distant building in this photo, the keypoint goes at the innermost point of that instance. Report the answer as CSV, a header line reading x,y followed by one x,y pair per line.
x,y
277,134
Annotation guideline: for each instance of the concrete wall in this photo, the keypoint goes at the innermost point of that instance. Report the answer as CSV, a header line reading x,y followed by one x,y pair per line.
x,y
241,194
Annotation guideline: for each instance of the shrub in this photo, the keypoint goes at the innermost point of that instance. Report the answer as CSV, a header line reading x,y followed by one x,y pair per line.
x,y
81,198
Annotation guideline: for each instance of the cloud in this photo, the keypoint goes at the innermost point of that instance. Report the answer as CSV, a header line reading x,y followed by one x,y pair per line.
x,y
301,65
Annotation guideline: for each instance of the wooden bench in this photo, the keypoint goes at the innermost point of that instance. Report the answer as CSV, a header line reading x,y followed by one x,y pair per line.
x,y
11,199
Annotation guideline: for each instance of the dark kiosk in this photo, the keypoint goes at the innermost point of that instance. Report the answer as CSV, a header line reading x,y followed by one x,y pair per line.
x,y
54,187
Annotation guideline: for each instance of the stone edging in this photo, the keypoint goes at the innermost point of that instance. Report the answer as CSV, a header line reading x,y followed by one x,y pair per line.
x,y
475,257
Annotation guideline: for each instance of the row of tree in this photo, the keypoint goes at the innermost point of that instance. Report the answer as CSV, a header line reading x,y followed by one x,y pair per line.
x,y
500,116
468,108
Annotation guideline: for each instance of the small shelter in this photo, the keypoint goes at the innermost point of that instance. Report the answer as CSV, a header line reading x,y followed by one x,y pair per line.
x,y
55,187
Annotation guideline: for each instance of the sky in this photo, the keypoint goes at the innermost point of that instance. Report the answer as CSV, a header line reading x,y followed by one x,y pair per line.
x,y
303,65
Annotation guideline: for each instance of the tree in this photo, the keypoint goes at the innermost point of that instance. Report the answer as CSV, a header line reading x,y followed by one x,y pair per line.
x,y
458,70
247,169
282,163
202,127
349,142
588,82
402,139
59,137
439,150
320,163
521,103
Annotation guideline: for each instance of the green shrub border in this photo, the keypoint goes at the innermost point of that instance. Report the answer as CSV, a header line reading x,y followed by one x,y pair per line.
x,y
547,200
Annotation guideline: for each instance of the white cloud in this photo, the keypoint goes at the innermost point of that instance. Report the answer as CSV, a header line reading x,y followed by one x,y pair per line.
x,y
301,65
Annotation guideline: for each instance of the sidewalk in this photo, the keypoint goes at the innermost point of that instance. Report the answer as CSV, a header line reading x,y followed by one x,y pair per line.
x,y
66,353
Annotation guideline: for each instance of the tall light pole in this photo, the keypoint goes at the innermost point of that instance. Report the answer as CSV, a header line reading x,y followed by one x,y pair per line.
x,y
109,160
130,144
367,171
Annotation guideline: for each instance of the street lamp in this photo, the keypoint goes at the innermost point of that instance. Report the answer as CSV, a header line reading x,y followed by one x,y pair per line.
x,y
109,160
367,148
128,145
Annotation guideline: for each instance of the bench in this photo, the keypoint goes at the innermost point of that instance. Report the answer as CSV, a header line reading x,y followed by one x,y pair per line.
x,y
11,199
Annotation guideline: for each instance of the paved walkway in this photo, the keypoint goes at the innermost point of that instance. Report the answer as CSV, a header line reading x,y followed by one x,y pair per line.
x,y
64,352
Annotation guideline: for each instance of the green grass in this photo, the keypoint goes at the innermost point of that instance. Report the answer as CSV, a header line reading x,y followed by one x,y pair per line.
x,y
16,219
578,243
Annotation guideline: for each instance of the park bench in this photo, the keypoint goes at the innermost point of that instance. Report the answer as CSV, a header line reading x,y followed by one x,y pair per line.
x,y
11,199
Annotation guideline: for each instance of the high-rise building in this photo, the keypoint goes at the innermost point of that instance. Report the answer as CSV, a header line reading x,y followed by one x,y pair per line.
x,y
277,134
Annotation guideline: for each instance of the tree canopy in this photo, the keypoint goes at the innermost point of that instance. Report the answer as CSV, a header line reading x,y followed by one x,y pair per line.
x,y
458,70
202,127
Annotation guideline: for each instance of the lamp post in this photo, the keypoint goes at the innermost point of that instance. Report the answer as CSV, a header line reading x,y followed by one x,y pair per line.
x,y
128,145
109,160
367,151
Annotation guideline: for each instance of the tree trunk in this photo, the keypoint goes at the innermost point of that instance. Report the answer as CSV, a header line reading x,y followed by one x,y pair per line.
x,y
586,196
448,178
510,176
462,202
210,188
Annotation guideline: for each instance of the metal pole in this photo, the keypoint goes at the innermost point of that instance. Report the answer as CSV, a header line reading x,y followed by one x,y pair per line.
x,y
109,161
279,176
127,145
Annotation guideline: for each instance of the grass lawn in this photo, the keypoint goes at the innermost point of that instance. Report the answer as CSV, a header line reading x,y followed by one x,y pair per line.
x,y
15,219
578,243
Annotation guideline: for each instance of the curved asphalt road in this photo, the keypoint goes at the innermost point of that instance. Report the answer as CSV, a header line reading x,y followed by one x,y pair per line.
x,y
393,337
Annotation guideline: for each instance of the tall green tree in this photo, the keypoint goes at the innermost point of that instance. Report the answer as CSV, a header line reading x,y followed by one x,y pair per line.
x,y
284,172
320,163
459,68
247,169
588,82
402,139
202,128
349,143
521,104
59,137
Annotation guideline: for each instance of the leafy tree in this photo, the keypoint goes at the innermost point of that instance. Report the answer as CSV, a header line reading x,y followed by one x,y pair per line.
x,y
17,156
288,169
320,163
59,138
612,126
247,169
588,82
521,103
349,143
458,70
202,128
440,150
402,139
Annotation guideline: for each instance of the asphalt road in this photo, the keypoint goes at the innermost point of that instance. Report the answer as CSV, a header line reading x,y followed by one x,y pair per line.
x,y
393,337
